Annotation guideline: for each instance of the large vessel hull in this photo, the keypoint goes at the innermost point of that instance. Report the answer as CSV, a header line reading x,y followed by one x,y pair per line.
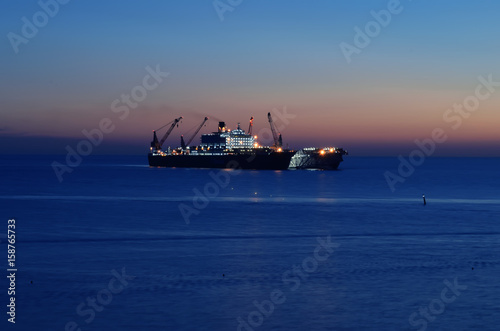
x,y
271,161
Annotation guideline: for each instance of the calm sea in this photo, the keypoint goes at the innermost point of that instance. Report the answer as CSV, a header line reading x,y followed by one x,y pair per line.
x,y
121,246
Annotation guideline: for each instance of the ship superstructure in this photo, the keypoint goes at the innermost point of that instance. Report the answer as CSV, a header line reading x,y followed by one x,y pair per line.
x,y
225,139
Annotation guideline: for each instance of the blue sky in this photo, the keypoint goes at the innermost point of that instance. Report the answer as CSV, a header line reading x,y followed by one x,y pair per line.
x,y
264,55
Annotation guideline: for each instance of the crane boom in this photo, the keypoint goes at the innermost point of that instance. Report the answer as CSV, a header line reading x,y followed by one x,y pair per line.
x,y
158,144
277,140
196,132
250,126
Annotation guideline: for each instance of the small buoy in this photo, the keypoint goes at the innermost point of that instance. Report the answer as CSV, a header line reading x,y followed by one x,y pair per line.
x,y
423,196
472,268
31,282
223,275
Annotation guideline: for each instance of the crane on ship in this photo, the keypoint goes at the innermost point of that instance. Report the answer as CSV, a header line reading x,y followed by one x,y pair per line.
x,y
157,144
278,141
183,144
250,126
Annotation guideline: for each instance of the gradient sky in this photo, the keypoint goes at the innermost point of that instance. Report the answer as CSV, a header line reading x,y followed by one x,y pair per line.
x,y
264,55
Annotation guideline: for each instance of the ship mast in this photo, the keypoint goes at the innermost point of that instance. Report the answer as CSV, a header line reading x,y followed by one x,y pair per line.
x,y
250,126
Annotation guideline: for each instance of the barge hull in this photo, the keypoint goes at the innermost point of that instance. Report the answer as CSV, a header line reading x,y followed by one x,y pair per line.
x,y
328,161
